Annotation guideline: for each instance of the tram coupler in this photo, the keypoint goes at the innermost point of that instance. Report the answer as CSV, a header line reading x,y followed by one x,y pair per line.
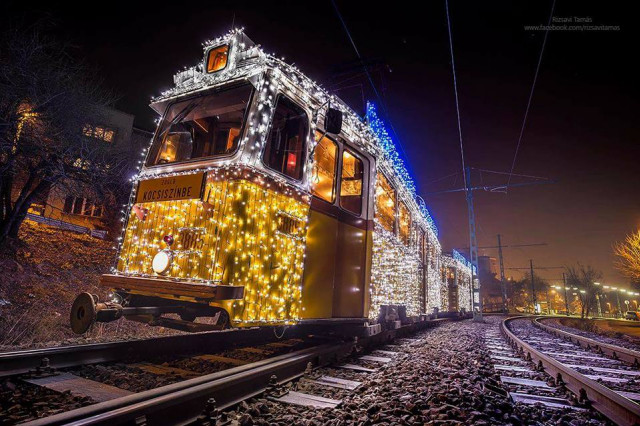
x,y
87,310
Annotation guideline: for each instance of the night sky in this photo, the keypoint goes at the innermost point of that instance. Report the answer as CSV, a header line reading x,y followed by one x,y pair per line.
x,y
582,130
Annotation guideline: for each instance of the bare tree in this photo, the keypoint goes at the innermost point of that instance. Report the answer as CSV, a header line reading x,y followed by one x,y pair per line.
x,y
628,256
46,99
584,278
523,291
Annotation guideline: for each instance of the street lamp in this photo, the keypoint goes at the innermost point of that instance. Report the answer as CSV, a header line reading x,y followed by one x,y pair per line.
x,y
618,299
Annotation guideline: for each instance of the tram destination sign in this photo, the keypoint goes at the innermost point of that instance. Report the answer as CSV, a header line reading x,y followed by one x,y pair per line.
x,y
182,187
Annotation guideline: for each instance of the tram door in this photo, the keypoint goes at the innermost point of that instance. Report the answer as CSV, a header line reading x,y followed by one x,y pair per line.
x,y
351,254
334,269
322,232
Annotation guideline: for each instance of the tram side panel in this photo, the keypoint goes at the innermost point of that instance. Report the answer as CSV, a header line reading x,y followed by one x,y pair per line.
x,y
242,234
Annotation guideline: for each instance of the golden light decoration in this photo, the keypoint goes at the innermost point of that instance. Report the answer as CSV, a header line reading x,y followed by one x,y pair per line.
x,y
244,233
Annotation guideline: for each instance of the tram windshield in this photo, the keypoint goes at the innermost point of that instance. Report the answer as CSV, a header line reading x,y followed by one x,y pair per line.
x,y
208,126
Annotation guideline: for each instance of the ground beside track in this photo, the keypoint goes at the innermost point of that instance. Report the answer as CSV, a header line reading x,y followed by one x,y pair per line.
x,y
41,276
614,332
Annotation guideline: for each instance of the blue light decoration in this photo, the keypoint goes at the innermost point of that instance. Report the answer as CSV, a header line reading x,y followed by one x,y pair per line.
x,y
460,258
379,128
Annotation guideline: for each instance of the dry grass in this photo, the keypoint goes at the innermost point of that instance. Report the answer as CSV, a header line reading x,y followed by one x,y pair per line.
x,y
40,279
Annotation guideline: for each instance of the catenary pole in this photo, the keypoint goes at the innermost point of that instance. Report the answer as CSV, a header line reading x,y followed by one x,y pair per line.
x,y
566,301
533,287
503,282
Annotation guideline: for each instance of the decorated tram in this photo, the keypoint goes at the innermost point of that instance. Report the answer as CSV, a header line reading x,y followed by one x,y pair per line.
x,y
264,200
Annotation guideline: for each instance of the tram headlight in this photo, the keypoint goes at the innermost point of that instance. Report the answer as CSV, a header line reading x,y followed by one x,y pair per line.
x,y
162,262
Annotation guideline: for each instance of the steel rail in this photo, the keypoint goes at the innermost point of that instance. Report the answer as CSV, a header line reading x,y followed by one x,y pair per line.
x,y
611,404
617,352
20,362
183,402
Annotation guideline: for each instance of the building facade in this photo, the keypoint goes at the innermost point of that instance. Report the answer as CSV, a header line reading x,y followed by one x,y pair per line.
x,y
72,206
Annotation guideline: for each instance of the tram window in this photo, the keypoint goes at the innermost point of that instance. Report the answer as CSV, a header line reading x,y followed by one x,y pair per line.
x,y
385,202
404,222
202,127
323,174
286,144
351,182
217,59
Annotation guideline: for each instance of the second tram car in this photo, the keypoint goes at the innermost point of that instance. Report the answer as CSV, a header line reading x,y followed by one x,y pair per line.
x,y
264,200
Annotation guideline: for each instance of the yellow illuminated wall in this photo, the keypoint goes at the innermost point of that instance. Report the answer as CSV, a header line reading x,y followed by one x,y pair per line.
x,y
245,233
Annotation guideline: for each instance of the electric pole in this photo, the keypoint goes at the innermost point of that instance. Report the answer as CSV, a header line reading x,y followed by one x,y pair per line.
x,y
533,287
473,242
503,279
503,282
566,301
473,250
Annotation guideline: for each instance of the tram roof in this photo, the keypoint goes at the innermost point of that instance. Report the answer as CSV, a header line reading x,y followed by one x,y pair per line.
x,y
248,61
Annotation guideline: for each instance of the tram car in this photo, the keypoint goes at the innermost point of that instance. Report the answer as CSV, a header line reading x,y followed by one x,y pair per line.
x,y
264,200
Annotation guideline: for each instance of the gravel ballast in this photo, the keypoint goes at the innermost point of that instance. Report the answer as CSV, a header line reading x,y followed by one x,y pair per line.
x,y
438,379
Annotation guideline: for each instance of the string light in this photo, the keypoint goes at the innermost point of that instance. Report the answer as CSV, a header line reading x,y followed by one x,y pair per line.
x,y
250,227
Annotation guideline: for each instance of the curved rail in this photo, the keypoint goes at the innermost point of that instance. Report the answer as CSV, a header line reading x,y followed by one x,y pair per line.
x,y
614,406
617,352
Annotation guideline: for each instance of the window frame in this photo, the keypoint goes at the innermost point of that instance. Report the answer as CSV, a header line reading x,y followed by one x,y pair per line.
x,y
83,205
365,179
215,90
206,58
305,150
336,167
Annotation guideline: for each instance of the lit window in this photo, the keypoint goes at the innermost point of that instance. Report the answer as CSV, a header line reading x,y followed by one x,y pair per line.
x,y
108,135
286,144
98,132
385,202
81,206
217,59
323,174
206,126
351,183
404,222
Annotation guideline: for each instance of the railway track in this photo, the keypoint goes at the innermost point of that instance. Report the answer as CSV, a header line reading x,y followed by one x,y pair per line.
x,y
190,384
601,376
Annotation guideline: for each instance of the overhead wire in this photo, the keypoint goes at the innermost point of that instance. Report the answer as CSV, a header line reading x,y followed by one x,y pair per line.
x,y
455,89
533,86
366,70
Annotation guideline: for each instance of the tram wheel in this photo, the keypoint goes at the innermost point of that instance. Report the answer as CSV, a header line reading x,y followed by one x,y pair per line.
x,y
83,313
